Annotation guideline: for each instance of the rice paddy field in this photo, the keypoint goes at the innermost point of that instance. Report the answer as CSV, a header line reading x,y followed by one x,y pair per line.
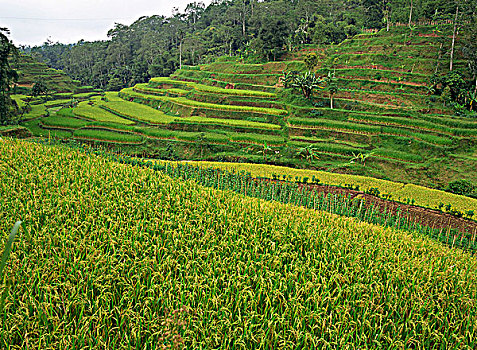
x,y
231,111
109,249
422,196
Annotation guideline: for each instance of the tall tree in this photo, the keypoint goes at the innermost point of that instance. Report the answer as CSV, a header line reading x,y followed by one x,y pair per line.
x,y
7,77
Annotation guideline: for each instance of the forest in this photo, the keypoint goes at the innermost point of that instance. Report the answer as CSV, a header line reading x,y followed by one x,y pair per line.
x,y
256,31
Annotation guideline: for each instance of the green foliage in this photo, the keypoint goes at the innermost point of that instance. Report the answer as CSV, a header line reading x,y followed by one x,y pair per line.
x,y
7,77
95,112
101,134
40,89
462,187
121,212
311,60
306,82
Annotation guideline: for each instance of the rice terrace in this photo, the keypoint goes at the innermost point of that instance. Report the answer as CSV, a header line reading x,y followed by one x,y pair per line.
x,y
238,174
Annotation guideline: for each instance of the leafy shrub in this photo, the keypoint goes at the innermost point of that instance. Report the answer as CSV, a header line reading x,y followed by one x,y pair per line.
x,y
462,187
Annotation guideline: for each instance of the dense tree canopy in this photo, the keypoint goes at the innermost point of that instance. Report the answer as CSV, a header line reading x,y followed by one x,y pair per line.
x,y
158,45
7,77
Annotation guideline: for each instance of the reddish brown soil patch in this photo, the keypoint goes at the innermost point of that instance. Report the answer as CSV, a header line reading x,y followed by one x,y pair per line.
x,y
432,35
410,213
424,216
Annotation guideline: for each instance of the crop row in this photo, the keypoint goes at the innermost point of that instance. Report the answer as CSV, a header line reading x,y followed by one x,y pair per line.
x,y
369,129
196,104
160,81
109,249
94,112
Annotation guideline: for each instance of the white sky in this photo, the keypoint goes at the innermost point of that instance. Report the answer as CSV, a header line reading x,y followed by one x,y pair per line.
x,y
31,22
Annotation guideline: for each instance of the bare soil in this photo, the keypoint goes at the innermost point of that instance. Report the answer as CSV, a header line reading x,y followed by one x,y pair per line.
x,y
412,213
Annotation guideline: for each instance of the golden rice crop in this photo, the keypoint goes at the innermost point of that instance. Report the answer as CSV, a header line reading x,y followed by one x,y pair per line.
x,y
422,196
116,256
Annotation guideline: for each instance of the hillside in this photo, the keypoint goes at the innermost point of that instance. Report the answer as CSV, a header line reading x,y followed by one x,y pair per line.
x,y
383,124
31,71
125,250
59,91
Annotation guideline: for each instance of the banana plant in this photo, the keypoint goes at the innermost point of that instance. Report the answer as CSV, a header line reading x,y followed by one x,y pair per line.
x,y
308,152
264,150
307,82
360,157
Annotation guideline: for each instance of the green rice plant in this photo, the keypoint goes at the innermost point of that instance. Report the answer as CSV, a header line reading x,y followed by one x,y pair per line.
x,y
138,252
331,124
5,255
326,147
177,91
57,103
258,139
423,196
64,122
204,88
136,111
100,134
96,113
257,79
85,95
179,102
62,95
191,103
394,154
230,122
36,112
34,126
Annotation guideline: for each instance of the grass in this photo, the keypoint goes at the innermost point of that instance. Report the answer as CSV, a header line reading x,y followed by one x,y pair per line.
x,y
94,112
123,250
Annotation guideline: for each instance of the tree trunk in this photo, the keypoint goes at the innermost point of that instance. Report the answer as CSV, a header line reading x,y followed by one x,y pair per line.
x,y
410,15
180,54
439,59
453,39
331,101
244,11
387,21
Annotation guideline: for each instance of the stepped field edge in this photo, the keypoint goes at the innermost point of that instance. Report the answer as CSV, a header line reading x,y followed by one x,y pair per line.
x,y
423,196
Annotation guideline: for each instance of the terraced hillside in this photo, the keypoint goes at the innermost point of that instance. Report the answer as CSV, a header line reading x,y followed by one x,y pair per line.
x,y
384,123
61,90
31,71
108,249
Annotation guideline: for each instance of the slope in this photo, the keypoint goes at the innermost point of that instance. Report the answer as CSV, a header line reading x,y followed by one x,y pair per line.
x,y
122,250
